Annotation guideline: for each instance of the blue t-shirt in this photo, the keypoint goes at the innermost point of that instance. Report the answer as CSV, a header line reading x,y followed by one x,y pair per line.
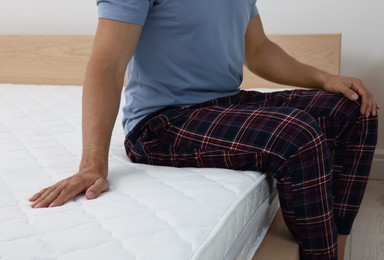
x,y
190,51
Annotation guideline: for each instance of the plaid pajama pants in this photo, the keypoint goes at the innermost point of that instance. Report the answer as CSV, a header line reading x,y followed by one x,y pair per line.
x,y
316,144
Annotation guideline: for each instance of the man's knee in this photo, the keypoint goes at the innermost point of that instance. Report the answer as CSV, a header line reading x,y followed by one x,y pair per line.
x,y
296,129
306,127
344,108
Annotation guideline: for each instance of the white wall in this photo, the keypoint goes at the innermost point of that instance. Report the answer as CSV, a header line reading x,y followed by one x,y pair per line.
x,y
48,16
360,23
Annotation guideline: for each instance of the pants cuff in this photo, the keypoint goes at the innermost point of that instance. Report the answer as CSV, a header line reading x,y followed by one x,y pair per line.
x,y
344,224
316,257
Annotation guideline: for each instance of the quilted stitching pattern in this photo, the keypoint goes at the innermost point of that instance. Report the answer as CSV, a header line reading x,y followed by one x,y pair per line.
x,y
149,213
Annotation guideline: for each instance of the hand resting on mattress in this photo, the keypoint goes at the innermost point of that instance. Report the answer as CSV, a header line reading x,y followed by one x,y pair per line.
x,y
102,89
90,181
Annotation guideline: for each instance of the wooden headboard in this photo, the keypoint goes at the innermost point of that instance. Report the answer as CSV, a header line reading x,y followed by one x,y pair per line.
x,y
61,60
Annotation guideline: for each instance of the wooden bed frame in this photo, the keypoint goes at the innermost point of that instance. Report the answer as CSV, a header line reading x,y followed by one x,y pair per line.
x,y
61,60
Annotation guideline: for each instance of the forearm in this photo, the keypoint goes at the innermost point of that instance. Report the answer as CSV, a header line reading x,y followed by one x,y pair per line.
x,y
272,63
101,99
113,47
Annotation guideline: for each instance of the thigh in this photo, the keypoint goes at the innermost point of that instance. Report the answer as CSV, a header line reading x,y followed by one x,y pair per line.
x,y
318,103
229,136
333,112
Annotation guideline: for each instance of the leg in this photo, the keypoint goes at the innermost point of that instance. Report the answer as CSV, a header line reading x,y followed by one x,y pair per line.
x,y
352,139
341,242
353,151
284,141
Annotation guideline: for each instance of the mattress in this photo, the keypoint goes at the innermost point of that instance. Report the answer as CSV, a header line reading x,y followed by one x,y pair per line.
x,y
150,212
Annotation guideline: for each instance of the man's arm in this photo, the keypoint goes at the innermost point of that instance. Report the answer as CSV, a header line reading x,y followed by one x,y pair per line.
x,y
114,45
269,61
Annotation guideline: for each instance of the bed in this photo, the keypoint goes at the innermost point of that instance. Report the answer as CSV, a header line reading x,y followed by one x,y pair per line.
x,y
149,212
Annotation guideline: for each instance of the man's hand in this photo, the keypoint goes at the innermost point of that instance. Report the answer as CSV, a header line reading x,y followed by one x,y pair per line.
x,y
90,182
114,45
269,61
353,89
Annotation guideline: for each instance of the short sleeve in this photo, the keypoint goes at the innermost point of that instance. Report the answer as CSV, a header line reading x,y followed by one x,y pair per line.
x,y
254,11
130,11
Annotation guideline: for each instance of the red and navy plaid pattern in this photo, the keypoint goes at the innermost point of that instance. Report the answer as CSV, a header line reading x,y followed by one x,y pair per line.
x,y
316,144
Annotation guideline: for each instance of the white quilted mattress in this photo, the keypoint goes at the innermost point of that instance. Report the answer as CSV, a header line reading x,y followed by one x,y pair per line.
x,y
149,213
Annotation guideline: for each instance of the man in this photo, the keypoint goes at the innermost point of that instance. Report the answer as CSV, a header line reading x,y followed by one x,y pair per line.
x,y
184,108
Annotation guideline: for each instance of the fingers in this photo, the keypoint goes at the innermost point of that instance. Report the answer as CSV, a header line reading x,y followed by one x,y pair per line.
x,y
96,189
65,190
40,198
368,106
56,195
371,106
63,196
37,195
43,197
349,93
353,89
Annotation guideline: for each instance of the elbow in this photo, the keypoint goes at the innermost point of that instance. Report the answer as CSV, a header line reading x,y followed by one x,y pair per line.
x,y
255,55
253,64
103,71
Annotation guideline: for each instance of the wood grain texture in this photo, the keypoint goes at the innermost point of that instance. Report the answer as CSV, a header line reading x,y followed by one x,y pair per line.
x,y
348,248
367,246
61,60
278,243
366,241
54,59
370,218
44,59
319,50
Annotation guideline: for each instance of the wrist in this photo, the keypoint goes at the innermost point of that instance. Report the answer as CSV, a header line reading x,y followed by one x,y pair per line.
x,y
321,79
94,164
